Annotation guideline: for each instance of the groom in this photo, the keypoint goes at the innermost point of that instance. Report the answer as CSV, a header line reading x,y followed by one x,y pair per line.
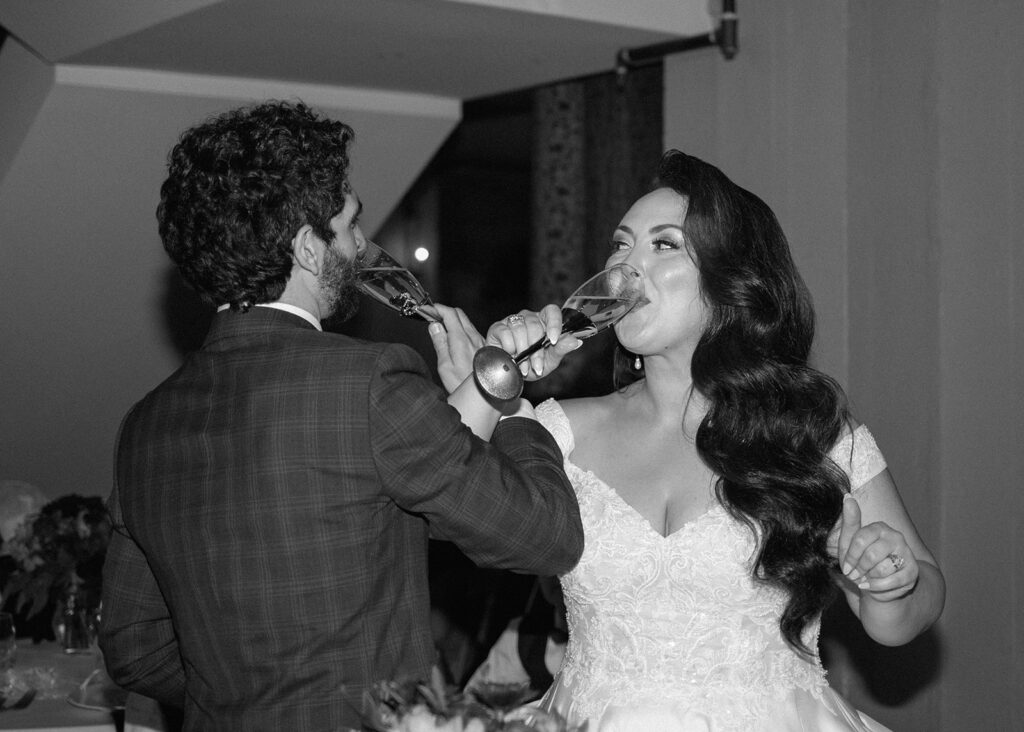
x,y
273,497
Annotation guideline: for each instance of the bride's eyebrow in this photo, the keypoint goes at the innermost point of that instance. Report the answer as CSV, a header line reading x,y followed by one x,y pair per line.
x,y
653,230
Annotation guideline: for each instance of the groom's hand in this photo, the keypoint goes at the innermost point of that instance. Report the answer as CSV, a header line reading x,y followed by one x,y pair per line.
x,y
455,341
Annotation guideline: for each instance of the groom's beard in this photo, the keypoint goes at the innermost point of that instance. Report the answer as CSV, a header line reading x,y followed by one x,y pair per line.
x,y
338,284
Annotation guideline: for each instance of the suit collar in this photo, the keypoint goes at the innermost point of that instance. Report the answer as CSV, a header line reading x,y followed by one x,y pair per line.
x,y
293,309
256,321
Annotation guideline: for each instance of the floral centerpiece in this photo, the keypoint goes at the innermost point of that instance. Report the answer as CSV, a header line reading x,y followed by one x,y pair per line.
x,y
415,706
58,553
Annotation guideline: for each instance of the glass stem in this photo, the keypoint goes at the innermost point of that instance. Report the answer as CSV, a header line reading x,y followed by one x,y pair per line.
x,y
530,350
428,313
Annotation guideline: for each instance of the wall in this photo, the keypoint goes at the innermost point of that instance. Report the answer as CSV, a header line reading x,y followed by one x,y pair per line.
x,y
887,138
775,121
93,313
980,229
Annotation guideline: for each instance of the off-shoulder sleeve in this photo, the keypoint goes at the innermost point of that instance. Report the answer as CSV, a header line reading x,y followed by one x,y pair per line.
x,y
859,457
552,416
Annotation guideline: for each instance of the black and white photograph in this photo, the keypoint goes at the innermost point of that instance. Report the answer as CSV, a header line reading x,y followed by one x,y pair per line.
x,y
512,366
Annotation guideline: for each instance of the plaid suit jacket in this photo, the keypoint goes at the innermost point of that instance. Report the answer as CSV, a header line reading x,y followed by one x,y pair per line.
x,y
271,505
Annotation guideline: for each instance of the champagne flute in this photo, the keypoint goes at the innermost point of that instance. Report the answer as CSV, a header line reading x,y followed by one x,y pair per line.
x,y
598,303
381,277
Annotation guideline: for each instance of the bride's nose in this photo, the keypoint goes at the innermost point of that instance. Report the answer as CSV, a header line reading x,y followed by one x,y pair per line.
x,y
634,257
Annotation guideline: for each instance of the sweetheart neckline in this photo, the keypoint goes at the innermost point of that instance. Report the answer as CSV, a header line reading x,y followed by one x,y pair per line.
x,y
714,509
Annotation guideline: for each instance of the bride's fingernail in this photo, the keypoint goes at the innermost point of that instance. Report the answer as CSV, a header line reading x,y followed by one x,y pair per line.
x,y
847,568
865,585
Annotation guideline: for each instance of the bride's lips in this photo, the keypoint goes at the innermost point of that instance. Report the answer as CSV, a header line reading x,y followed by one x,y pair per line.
x,y
639,304
632,311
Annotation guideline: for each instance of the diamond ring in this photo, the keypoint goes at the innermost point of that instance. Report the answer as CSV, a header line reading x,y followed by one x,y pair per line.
x,y
514,319
897,561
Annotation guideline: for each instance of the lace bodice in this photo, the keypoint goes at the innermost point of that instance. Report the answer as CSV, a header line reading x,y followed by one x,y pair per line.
x,y
678,618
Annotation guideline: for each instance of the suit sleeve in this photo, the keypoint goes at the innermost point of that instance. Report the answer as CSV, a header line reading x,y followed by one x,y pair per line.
x,y
505,505
139,645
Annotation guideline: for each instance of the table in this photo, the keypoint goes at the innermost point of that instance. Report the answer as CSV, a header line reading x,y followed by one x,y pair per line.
x,y
50,711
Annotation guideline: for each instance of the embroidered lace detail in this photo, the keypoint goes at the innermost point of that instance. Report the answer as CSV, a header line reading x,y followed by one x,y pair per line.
x,y
673,620
858,455
550,414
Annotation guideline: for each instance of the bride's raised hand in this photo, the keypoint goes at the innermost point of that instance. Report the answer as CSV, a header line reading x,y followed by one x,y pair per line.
x,y
875,557
520,330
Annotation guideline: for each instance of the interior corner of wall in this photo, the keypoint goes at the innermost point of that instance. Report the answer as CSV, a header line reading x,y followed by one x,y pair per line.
x,y
25,83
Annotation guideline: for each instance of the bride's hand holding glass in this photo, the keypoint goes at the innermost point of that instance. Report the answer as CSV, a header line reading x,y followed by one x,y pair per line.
x,y
520,331
598,303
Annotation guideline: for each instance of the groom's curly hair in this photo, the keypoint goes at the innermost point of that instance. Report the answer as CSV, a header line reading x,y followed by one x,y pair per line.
x,y
240,185
772,419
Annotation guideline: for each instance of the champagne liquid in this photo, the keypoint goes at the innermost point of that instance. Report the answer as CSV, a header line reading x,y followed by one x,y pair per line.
x,y
587,315
393,286
388,280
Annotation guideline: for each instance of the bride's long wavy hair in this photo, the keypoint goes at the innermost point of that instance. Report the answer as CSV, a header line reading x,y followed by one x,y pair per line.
x,y
772,419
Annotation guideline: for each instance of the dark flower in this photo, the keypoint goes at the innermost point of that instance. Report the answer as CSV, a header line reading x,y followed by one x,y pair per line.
x,y
59,550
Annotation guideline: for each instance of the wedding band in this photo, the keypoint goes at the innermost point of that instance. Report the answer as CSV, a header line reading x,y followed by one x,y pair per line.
x,y
513,319
897,561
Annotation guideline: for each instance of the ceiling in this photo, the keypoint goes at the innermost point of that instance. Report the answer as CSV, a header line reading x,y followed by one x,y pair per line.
x,y
460,49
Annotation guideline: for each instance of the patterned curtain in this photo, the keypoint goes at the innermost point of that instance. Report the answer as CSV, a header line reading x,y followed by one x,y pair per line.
x,y
597,142
624,145
559,192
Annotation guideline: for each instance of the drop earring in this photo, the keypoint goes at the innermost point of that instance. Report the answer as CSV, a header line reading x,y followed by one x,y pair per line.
x,y
638,363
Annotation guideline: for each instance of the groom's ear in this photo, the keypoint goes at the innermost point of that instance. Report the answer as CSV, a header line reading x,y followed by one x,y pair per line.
x,y
308,250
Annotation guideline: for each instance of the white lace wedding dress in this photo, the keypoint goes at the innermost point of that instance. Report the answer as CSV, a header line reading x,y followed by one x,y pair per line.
x,y
671,634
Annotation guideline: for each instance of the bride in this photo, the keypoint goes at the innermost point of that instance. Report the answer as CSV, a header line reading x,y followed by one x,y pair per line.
x,y
725,490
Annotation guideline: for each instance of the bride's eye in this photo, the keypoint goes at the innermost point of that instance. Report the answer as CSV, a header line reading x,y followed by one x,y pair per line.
x,y
618,245
662,243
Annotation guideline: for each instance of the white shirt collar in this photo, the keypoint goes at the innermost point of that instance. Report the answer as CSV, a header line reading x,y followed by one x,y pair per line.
x,y
304,314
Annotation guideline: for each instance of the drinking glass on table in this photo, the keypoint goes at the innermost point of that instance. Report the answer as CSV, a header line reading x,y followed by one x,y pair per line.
x,y
8,644
501,697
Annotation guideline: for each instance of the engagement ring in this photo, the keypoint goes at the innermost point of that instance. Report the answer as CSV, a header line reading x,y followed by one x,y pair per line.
x,y
513,319
897,561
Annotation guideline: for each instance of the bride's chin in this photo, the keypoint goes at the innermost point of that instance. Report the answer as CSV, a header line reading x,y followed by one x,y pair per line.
x,y
628,339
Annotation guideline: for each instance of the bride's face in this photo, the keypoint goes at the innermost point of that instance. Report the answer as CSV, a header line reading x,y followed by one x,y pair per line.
x,y
650,237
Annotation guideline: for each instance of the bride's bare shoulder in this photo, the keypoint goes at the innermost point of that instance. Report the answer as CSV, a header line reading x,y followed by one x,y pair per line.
x,y
590,412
